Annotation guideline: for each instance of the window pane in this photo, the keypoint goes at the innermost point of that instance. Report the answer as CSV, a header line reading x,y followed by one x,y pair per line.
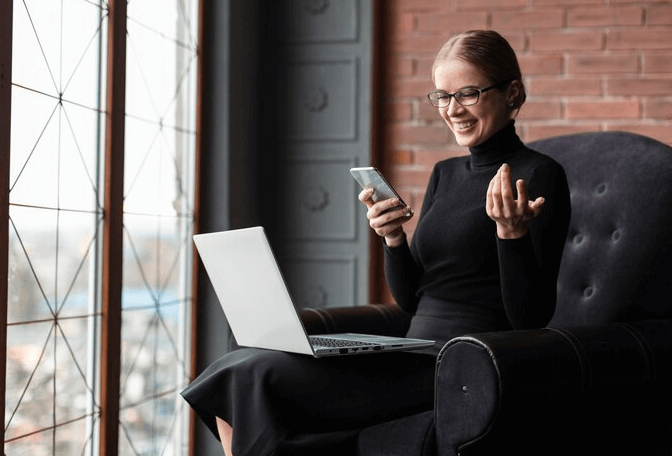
x,y
158,206
58,95
55,217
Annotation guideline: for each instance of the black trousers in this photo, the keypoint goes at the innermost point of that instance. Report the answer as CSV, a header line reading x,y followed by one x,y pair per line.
x,y
266,395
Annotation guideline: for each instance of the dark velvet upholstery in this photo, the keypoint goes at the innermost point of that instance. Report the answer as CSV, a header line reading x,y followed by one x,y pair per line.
x,y
597,380
617,261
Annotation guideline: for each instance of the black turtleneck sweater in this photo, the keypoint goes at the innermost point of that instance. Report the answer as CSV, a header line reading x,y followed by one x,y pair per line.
x,y
457,259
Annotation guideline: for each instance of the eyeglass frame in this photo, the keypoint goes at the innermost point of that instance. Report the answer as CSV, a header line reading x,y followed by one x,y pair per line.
x,y
478,93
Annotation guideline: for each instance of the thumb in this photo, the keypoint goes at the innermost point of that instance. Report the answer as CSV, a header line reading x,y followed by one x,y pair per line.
x,y
536,206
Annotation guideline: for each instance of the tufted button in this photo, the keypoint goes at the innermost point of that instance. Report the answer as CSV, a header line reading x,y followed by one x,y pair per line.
x,y
578,239
588,292
616,235
464,389
601,189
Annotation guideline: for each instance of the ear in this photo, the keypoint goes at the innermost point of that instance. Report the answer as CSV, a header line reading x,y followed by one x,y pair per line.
x,y
513,95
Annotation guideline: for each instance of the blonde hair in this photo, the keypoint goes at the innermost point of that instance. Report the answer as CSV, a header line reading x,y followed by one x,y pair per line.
x,y
490,53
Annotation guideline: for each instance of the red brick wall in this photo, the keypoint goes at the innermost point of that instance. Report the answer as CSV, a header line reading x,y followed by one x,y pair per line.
x,y
588,65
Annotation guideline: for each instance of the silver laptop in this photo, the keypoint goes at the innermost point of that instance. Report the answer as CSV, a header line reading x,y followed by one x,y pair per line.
x,y
257,304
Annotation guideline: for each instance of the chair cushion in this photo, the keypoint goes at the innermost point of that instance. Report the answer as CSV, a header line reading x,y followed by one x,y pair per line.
x,y
337,443
409,436
619,245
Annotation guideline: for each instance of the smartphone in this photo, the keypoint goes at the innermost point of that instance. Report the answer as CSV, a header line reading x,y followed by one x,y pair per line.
x,y
370,177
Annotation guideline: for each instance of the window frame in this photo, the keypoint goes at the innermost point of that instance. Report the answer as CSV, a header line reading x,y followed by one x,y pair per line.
x,y
6,34
112,250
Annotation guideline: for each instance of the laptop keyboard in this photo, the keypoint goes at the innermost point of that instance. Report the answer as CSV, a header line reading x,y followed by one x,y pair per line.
x,y
329,342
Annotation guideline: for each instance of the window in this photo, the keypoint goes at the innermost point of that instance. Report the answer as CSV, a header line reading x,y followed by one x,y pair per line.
x,y
57,221
158,218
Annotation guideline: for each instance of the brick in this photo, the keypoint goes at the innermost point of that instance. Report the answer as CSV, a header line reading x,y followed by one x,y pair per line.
x,y
566,41
421,5
401,111
402,157
661,132
602,110
427,112
417,195
540,110
407,23
655,62
605,16
542,86
429,157
418,44
490,4
638,39
659,15
590,63
564,2
540,64
416,88
403,66
526,19
402,133
424,67
639,86
658,109
432,22
517,40
409,177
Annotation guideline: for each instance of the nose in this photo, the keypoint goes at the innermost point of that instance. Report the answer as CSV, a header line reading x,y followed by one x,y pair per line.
x,y
453,106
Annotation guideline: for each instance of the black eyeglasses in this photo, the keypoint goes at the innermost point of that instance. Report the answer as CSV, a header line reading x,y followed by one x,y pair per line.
x,y
465,97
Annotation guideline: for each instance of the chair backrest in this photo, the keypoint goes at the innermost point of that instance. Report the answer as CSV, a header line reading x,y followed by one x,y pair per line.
x,y
617,262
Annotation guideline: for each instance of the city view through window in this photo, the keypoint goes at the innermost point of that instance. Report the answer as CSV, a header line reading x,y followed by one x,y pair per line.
x,y
57,210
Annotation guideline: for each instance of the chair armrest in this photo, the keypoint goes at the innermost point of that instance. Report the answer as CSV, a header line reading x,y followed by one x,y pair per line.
x,y
379,319
563,390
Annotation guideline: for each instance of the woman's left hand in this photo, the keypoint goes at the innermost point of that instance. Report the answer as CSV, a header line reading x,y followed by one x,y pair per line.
x,y
511,215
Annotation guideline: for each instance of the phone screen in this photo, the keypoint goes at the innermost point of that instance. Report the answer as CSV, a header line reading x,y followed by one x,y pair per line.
x,y
370,177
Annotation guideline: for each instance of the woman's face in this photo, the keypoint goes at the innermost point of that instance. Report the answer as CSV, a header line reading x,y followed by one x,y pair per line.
x,y
472,125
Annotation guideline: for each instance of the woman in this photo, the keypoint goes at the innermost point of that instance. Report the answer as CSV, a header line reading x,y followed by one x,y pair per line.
x,y
483,258
463,273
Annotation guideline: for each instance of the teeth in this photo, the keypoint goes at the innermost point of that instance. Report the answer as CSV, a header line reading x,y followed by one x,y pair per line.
x,y
464,125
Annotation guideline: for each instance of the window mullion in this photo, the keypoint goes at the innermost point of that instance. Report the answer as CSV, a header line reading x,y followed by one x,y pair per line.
x,y
203,8
6,21
113,229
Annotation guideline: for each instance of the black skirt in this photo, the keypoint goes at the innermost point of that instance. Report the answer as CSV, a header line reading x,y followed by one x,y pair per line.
x,y
267,395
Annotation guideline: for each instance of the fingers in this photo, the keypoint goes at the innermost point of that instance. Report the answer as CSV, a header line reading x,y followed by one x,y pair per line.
x,y
385,217
522,201
508,201
385,207
500,201
366,197
388,222
535,206
510,213
529,209
489,197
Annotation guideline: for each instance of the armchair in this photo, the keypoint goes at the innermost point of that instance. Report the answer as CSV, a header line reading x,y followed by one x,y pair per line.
x,y
598,379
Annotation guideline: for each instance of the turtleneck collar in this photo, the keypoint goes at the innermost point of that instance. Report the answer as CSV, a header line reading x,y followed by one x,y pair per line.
x,y
502,144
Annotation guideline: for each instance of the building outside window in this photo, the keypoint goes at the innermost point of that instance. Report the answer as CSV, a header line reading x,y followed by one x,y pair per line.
x,y
57,215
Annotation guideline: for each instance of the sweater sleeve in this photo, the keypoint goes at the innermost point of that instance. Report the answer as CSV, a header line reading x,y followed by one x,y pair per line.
x,y
529,266
403,276
403,270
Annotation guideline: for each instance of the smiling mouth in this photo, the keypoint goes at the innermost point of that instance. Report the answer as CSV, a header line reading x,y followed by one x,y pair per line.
x,y
464,125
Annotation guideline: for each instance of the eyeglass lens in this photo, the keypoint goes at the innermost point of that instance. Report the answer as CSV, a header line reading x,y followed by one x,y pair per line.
x,y
464,98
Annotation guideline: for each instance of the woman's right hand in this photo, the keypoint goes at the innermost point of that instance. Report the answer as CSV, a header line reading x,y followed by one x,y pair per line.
x,y
386,217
